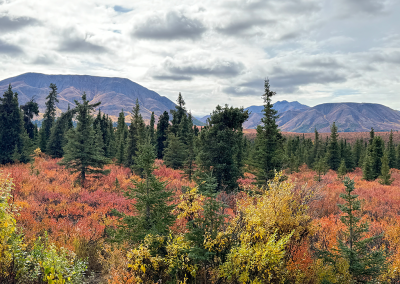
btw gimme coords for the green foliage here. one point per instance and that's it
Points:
(152, 202)
(391, 151)
(321, 167)
(84, 151)
(342, 171)
(377, 149)
(48, 117)
(58, 139)
(365, 263)
(334, 158)
(268, 150)
(30, 109)
(368, 171)
(161, 134)
(11, 127)
(136, 136)
(386, 177)
(175, 153)
(220, 146)
(121, 135)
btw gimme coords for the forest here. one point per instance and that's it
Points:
(82, 201)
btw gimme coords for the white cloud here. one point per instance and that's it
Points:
(214, 53)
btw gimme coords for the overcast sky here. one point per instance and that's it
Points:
(214, 52)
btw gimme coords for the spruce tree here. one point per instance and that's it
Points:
(391, 151)
(219, 146)
(161, 134)
(153, 209)
(48, 117)
(151, 130)
(268, 151)
(368, 170)
(58, 139)
(30, 109)
(366, 263)
(83, 152)
(136, 136)
(121, 135)
(342, 169)
(178, 114)
(321, 167)
(371, 136)
(333, 149)
(386, 177)
(11, 127)
(175, 153)
(190, 150)
(377, 149)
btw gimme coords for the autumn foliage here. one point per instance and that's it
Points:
(288, 223)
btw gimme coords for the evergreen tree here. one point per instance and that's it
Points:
(386, 177)
(368, 170)
(357, 152)
(219, 144)
(83, 153)
(121, 135)
(365, 262)
(333, 149)
(268, 150)
(377, 150)
(398, 157)
(48, 117)
(177, 115)
(207, 225)
(136, 136)
(153, 214)
(175, 153)
(371, 136)
(342, 171)
(190, 150)
(161, 135)
(321, 167)
(151, 131)
(30, 109)
(391, 151)
(58, 139)
(11, 127)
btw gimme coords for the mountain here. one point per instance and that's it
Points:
(281, 106)
(115, 94)
(349, 117)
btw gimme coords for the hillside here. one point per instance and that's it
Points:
(115, 94)
(349, 117)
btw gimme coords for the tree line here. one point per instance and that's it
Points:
(219, 148)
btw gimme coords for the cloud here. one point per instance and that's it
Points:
(240, 91)
(74, 41)
(169, 27)
(9, 24)
(121, 9)
(202, 67)
(9, 49)
(43, 59)
(172, 77)
(323, 62)
(237, 27)
(351, 7)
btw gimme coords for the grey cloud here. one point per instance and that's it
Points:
(8, 24)
(121, 9)
(351, 7)
(289, 81)
(172, 26)
(240, 91)
(219, 68)
(43, 60)
(74, 43)
(9, 49)
(172, 78)
(241, 26)
(327, 63)
(386, 57)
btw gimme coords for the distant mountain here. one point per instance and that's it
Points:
(115, 94)
(349, 117)
(281, 106)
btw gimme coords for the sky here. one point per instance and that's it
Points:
(214, 52)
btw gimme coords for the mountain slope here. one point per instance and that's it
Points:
(115, 94)
(349, 117)
(281, 106)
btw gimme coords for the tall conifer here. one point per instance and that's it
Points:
(48, 117)
(333, 149)
(161, 134)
